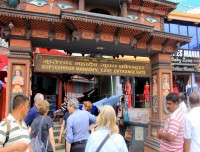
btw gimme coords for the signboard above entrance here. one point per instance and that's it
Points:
(186, 56)
(85, 65)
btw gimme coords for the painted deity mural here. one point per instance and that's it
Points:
(165, 90)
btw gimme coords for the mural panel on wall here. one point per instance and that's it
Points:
(17, 81)
(155, 97)
(165, 91)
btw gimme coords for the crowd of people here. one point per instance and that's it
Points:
(181, 132)
(24, 123)
(86, 132)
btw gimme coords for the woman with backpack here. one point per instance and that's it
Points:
(43, 127)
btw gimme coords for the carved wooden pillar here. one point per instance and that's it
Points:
(124, 8)
(59, 92)
(161, 85)
(81, 5)
(19, 70)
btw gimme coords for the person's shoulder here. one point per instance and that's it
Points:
(3, 123)
(32, 110)
(118, 136)
(193, 113)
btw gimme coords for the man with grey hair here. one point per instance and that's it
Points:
(182, 104)
(77, 127)
(192, 125)
(33, 112)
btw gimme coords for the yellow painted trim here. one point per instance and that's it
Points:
(195, 18)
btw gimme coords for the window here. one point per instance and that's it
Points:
(193, 33)
(198, 35)
(184, 31)
(174, 28)
(166, 27)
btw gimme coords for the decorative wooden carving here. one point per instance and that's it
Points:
(97, 33)
(116, 37)
(5, 32)
(51, 32)
(116, 40)
(68, 38)
(28, 32)
(164, 45)
(88, 35)
(76, 35)
(149, 43)
(133, 43)
(140, 36)
(135, 39)
(71, 25)
(107, 37)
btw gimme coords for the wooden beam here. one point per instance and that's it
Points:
(116, 38)
(97, 32)
(71, 25)
(140, 36)
(136, 38)
(164, 45)
(149, 43)
(28, 32)
(52, 31)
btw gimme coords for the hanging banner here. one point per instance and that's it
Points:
(85, 65)
(186, 56)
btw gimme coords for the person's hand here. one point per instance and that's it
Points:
(21, 146)
(160, 131)
(60, 140)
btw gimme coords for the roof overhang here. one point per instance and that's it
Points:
(182, 16)
(82, 32)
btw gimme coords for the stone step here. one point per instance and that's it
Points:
(59, 146)
(56, 127)
(61, 150)
(56, 139)
(56, 132)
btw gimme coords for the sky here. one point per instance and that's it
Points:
(190, 6)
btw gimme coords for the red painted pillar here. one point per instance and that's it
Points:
(59, 92)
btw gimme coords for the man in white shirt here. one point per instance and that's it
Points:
(182, 103)
(192, 132)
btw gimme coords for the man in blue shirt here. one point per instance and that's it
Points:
(77, 127)
(33, 112)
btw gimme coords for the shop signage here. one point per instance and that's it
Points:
(178, 68)
(186, 56)
(85, 65)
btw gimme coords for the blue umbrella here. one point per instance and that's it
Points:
(112, 100)
(100, 106)
(100, 102)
